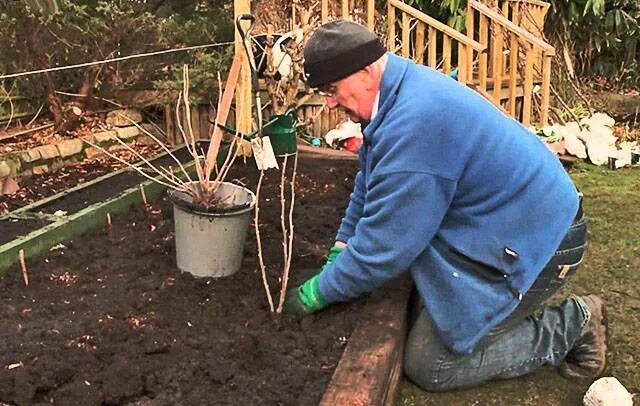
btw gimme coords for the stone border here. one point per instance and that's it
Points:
(45, 158)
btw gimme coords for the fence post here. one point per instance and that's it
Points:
(243, 89)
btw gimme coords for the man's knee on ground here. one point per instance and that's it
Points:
(425, 371)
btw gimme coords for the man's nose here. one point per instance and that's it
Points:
(331, 102)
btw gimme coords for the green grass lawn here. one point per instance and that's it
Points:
(611, 270)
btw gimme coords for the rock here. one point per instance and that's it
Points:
(57, 164)
(607, 392)
(92, 152)
(105, 136)
(8, 186)
(89, 138)
(5, 169)
(48, 151)
(70, 147)
(123, 117)
(30, 155)
(40, 169)
(127, 132)
(9, 166)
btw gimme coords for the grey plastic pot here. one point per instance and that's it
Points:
(210, 242)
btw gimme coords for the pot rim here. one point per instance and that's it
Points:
(178, 200)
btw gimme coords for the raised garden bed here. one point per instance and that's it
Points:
(110, 320)
(40, 186)
(73, 211)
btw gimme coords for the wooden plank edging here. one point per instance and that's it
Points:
(306, 151)
(370, 368)
(41, 240)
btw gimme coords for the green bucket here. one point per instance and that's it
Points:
(281, 131)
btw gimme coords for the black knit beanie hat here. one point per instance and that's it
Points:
(337, 49)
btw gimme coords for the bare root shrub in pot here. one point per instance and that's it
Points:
(210, 241)
(211, 215)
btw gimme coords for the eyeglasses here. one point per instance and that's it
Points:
(328, 90)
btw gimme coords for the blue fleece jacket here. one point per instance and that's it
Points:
(450, 189)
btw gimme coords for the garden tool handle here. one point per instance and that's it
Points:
(251, 20)
(252, 64)
(292, 112)
(244, 34)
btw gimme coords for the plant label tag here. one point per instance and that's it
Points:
(269, 155)
(263, 153)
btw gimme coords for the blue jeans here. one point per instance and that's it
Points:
(522, 343)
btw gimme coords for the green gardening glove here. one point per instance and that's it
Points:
(306, 298)
(333, 254)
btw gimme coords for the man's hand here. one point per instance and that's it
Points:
(333, 254)
(306, 298)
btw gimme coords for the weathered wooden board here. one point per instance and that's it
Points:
(370, 368)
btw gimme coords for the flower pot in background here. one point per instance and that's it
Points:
(210, 242)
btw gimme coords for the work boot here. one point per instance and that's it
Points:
(587, 358)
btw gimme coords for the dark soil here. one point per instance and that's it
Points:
(110, 320)
(12, 228)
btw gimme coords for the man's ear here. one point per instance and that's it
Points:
(368, 77)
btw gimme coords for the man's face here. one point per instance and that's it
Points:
(354, 94)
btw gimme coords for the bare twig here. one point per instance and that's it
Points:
(95, 97)
(11, 112)
(23, 266)
(283, 211)
(263, 269)
(146, 161)
(224, 169)
(224, 105)
(284, 90)
(25, 132)
(187, 114)
(192, 151)
(287, 265)
(567, 108)
(109, 226)
(144, 196)
(140, 171)
(162, 145)
(202, 191)
(35, 116)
